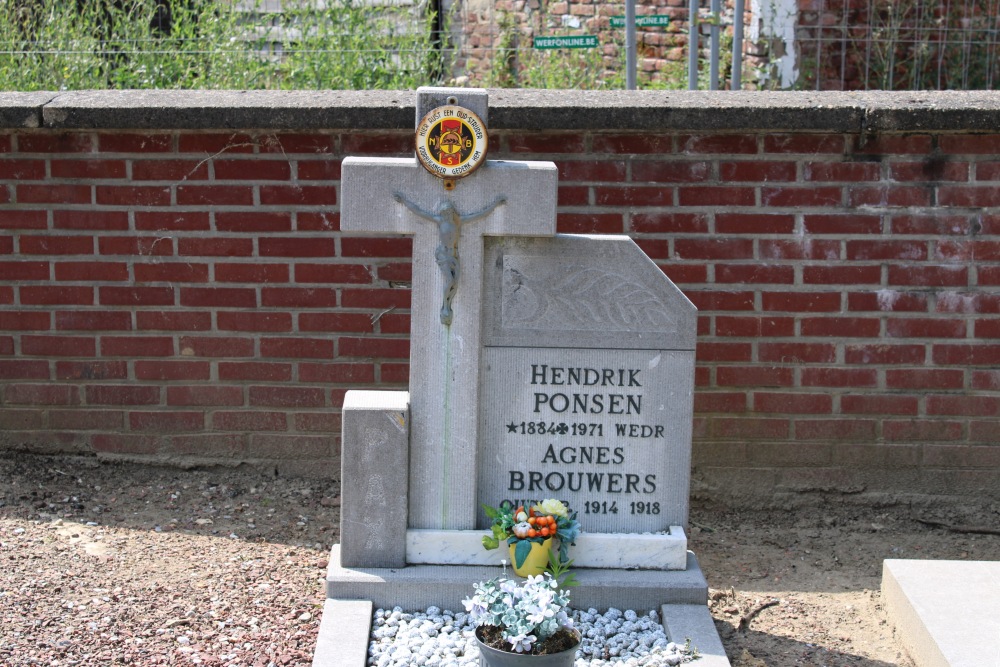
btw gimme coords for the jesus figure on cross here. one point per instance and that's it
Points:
(449, 222)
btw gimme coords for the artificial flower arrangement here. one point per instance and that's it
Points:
(529, 617)
(529, 530)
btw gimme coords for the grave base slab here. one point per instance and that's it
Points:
(947, 612)
(445, 586)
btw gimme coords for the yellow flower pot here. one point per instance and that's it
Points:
(535, 562)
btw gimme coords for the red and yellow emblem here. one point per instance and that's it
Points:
(451, 142)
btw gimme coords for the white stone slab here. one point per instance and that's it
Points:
(374, 478)
(693, 623)
(637, 551)
(344, 632)
(947, 612)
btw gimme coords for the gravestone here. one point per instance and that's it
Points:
(542, 365)
(588, 370)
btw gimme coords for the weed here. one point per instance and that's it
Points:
(58, 45)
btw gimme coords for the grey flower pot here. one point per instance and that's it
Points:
(490, 657)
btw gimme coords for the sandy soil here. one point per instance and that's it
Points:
(822, 567)
(125, 564)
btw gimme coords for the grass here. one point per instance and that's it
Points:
(92, 44)
(310, 45)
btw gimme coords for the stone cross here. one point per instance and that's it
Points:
(399, 196)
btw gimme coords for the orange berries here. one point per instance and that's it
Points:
(536, 524)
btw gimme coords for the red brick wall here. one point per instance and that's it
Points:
(188, 295)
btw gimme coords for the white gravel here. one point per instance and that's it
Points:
(437, 638)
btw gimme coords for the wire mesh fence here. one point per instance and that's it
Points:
(60, 45)
(810, 44)
(899, 44)
(804, 44)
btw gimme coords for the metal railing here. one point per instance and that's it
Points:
(883, 45)
(761, 44)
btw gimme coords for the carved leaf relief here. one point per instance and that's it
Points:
(589, 298)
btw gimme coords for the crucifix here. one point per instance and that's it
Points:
(449, 223)
(448, 214)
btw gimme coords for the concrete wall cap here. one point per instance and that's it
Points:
(20, 110)
(543, 110)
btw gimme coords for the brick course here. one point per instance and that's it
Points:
(189, 294)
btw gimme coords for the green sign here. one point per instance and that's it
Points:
(642, 21)
(574, 42)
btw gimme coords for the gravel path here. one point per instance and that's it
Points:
(124, 564)
(130, 565)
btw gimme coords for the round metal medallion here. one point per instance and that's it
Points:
(451, 142)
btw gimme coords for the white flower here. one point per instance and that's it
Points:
(525, 612)
(508, 586)
(521, 643)
(553, 507)
(538, 614)
(474, 606)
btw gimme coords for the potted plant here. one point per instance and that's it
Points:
(523, 624)
(530, 532)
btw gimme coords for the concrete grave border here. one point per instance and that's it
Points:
(346, 628)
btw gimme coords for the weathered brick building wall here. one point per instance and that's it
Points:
(494, 38)
(865, 45)
(172, 288)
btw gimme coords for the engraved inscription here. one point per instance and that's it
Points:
(588, 427)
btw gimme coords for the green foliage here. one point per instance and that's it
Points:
(54, 45)
(503, 71)
(560, 568)
(521, 549)
(675, 74)
(568, 531)
(503, 522)
(921, 45)
(579, 69)
(212, 44)
(897, 45)
(517, 64)
(674, 77)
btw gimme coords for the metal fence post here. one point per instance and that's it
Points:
(736, 80)
(630, 45)
(713, 58)
(693, 45)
